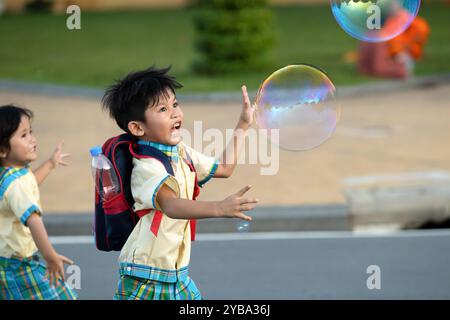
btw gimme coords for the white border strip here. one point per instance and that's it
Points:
(72, 240)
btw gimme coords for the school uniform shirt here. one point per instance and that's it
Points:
(19, 198)
(162, 255)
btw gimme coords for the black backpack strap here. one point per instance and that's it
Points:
(122, 161)
(140, 151)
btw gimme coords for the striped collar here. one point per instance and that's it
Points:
(170, 151)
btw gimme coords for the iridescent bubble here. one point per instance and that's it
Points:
(298, 102)
(374, 20)
(243, 226)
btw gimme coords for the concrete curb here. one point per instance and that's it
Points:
(235, 96)
(265, 219)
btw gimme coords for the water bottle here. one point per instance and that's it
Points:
(105, 177)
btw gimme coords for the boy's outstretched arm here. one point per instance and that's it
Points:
(55, 262)
(56, 159)
(231, 207)
(230, 155)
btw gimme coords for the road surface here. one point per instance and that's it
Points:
(293, 265)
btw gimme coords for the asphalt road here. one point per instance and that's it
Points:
(301, 265)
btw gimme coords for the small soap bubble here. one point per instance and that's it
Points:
(243, 226)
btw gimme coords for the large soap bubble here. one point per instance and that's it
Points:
(299, 102)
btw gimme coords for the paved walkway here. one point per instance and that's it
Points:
(377, 134)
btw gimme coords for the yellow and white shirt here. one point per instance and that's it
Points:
(165, 256)
(19, 198)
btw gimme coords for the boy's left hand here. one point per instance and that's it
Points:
(248, 110)
(58, 157)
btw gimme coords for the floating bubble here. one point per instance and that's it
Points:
(298, 108)
(243, 226)
(374, 20)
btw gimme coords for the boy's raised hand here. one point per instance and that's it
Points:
(248, 110)
(58, 157)
(234, 205)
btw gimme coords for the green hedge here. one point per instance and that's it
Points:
(233, 35)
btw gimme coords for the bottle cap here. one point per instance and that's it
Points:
(95, 151)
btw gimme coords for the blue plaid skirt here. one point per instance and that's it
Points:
(133, 288)
(26, 279)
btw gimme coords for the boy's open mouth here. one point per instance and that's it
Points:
(176, 127)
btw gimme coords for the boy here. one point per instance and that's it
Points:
(154, 261)
(22, 231)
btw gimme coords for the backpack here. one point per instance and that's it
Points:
(115, 219)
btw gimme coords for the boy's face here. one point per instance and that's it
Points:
(23, 146)
(164, 120)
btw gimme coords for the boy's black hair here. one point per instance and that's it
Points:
(10, 117)
(129, 97)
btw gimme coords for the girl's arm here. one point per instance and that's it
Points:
(230, 155)
(232, 207)
(55, 262)
(57, 159)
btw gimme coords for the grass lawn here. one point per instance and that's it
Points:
(39, 47)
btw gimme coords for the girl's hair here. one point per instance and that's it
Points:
(9, 122)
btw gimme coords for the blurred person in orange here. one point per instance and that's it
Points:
(395, 58)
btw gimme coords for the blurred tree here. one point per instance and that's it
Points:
(233, 36)
(39, 5)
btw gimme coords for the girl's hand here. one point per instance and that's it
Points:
(55, 268)
(58, 157)
(248, 111)
(234, 205)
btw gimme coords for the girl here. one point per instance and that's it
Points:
(22, 231)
